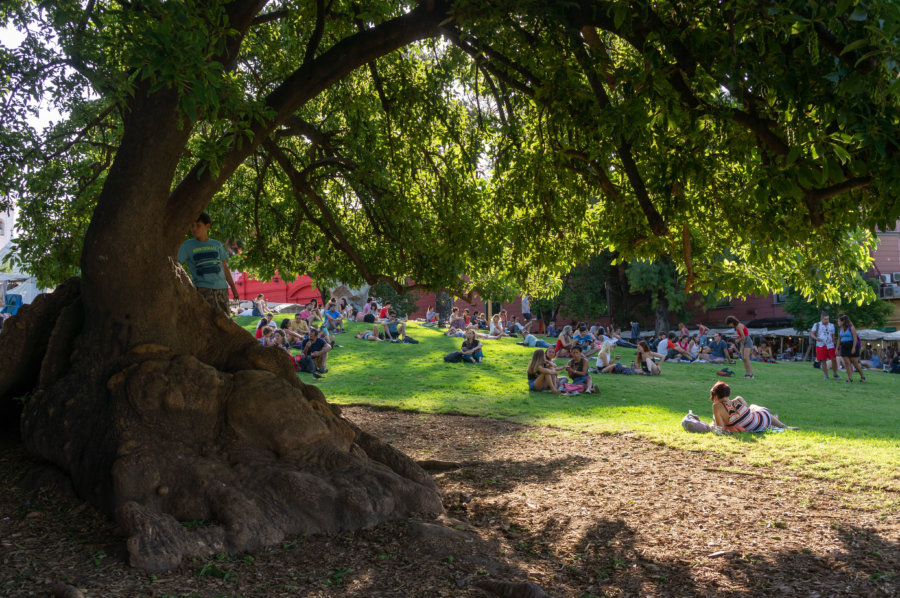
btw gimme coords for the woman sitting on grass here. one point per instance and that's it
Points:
(578, 370)
(645, 359)
(496, 327)
(267, 338)
(604, 357)
(471, 348)
(765, 353)
(542, 373)
(565, 342)
(699, 351)
(734, 415)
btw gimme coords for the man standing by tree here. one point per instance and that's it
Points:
(822, 333)
(207, 263)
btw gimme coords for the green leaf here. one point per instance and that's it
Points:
(860, 13)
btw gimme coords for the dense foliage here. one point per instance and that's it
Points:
(753, 144)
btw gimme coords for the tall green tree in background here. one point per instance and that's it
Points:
(462, 145)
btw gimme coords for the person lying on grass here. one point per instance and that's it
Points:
(734, 415)
(369, 335)
(454, 331)
(471, 348)
(531, 340)
(542, 373)
(578, 369)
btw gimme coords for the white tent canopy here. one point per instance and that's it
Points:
(783, 332)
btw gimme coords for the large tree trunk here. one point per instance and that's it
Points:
(443, 307)
(662, 323)
(225, 433)
(163, 410)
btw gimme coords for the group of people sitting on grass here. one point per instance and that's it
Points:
(544, 375)
(311, 331)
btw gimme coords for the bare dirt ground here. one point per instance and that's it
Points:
(578, 515)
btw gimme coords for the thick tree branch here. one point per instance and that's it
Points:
(760, 127)
(308, 81)
(270, 16)
(332, 229)
(316, 38)
(654, 219)
(481, 59)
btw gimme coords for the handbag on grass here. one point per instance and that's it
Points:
(692, 423)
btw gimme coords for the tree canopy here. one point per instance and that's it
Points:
(476, 144)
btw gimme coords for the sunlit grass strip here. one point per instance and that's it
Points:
(849, 432)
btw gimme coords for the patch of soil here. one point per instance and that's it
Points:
(579, 515)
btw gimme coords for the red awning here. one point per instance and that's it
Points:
(302, 290)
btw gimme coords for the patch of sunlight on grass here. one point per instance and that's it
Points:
(849, 433)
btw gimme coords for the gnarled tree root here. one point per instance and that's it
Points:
(220, 432)
(250, 456)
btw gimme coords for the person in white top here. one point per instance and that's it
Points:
(823, 334)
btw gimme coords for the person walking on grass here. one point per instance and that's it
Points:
(744, 344)
(850, 346)
(823, 334)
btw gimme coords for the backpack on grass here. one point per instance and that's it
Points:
(454, 357)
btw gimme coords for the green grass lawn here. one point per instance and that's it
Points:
(848, 432)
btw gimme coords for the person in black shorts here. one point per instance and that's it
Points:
(850, 346)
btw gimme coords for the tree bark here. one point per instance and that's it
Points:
(443, 307)
(662, 324)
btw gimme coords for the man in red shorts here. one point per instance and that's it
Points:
(823, 334)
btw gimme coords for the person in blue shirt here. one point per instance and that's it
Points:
(333, 319)
(584, 339)
(719, 349)
(207, 263)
